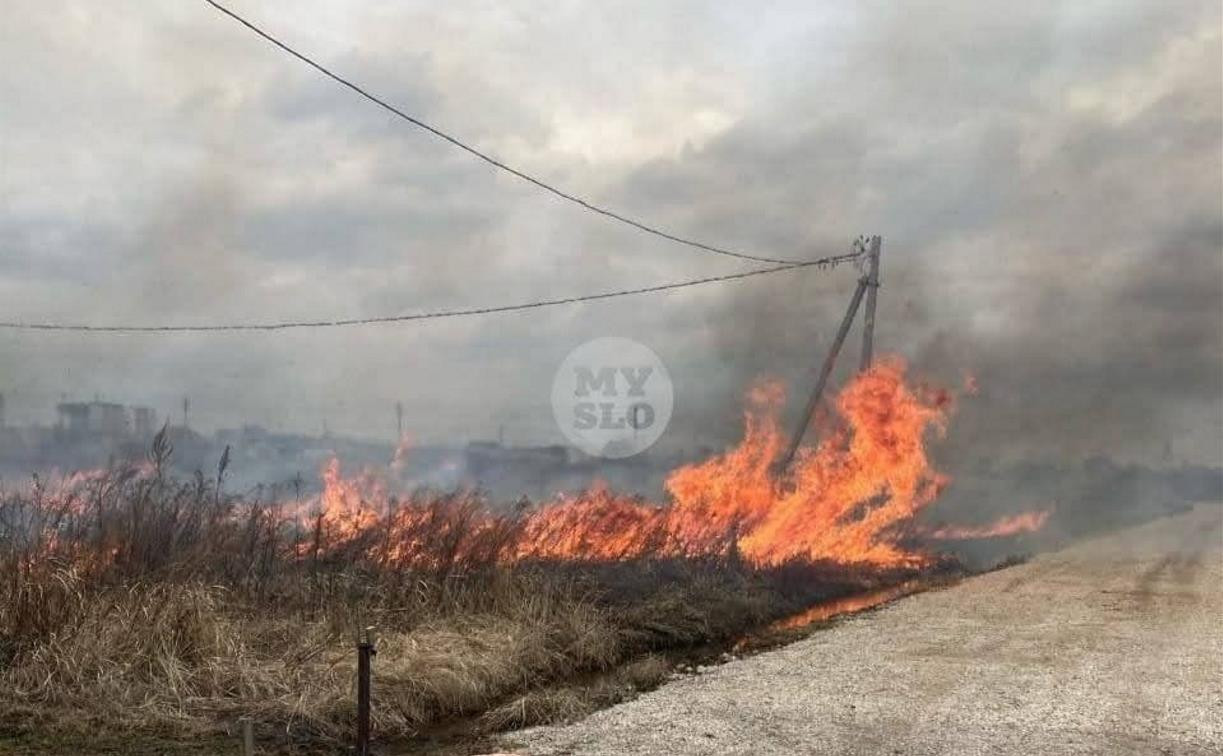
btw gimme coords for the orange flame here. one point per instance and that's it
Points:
(851, 499)
(1026, 522)
(847, 500)
(971, 386)
(826, 610)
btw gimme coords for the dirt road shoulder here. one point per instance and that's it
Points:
(1114, 645)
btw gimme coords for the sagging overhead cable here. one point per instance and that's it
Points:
(435, 315)
(540, 183)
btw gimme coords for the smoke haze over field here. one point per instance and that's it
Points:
(1047, 178)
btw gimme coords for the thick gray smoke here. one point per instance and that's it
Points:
(1046, 177)
(1052, 223)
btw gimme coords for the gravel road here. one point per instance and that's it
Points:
(1112, 646)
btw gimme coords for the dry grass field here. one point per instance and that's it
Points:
(140, 612)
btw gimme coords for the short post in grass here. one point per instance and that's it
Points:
(365, 652)
(248, 736)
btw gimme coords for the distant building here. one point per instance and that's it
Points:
(144, 421)
(100, 418)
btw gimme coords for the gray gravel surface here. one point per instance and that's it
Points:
(1112, 646)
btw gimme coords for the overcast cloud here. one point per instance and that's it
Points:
(1047, 176)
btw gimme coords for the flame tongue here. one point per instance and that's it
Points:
(1025, 522)
(869, 475)
(851, 500)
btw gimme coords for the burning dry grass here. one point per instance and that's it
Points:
(132, 602)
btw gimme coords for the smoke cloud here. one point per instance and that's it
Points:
(1046, 178)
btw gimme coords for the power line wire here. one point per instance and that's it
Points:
(826, 262)
(488, 158)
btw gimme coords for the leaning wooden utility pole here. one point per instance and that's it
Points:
(868, 284)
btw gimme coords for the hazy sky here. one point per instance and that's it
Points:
(1047, 176)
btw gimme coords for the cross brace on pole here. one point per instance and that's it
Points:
(872, 292)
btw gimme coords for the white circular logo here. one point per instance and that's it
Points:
(612, 397)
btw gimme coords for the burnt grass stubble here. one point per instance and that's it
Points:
(138, 607)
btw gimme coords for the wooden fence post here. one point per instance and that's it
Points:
(365, 652)
(248, 736)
